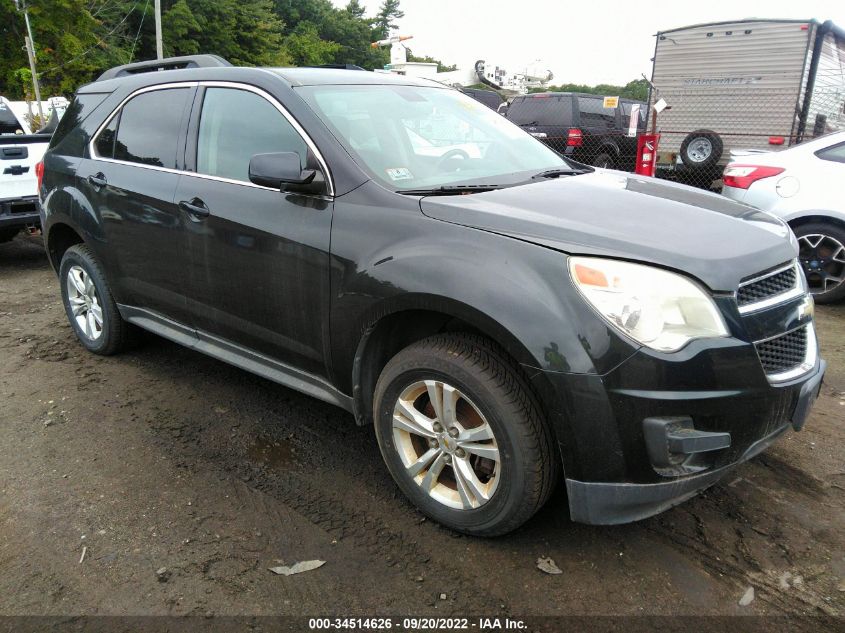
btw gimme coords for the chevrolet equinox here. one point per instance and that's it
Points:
(503, 317)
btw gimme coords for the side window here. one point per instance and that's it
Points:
(9, 123)
(105, 139)
(237, 124)
(594, 114)
(148, 131)
(835, 153)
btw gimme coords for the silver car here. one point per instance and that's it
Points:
(805, 186)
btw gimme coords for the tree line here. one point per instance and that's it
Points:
(77, 39)
(636, 89)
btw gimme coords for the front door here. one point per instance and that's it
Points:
(259, 273)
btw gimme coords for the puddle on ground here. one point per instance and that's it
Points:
(273, 453)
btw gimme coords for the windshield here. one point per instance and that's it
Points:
(412, 137)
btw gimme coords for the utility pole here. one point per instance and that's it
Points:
(30, 52)
(159, 47)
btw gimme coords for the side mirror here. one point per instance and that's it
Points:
(278, 169)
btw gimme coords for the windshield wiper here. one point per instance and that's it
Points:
(555, 173)
(449, 190)
(527, 124)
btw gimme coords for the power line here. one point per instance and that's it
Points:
(138, 34)
(91, 48)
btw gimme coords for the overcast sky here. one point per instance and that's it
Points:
(588, 41)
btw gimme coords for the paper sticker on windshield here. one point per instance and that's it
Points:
(399, 173)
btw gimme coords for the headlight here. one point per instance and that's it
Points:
(655, 307)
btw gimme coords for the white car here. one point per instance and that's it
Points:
(805, 186)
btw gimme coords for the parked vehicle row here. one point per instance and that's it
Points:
(505, 318)
(581, 127)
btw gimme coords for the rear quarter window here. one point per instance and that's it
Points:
(80, 107)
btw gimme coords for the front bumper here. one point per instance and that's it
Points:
(605, 503)
(710, 390)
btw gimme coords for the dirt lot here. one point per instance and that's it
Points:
(163, 457)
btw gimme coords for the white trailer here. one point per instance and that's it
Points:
(749, 84)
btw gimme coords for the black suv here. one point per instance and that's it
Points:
(398, 249)
(580, 127)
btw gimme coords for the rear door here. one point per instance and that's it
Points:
(130, 180)
(259, 257)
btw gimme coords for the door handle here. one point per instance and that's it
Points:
(195, 207)
(98, 180)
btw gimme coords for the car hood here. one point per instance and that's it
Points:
(620, 215)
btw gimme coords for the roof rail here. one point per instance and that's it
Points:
(338, 66)
(168, 63)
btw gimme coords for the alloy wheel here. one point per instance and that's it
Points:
(823, 260)
(446, 445)
(84, 302)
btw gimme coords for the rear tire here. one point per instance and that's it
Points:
(605, 161)
(509, 467)
(89, 304)
(822, 255)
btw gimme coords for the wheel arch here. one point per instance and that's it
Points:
(610, 148)
(59, 237)
(817, 216)
(396, 326)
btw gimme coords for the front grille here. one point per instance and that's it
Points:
(767, 287)
(784, 352)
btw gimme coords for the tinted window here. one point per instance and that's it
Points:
(594, 114)
(553, 110)
(626, 111)
(105, 140)
(234, 126)
(149, 127)
(835, 153)
(8, 121)
(79, 108)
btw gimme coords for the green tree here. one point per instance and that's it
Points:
(355, 10)
(307, 49)
(427, 59)
(70, 47)
(386, 17)
(636, 89)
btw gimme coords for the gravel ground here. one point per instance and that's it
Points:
(115, 468)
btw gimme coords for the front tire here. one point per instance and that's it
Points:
(822, 255)
(462, 436)
(89, 304)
